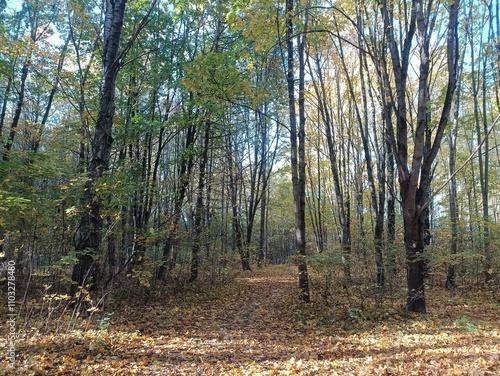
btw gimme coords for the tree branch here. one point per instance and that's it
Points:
(435, 193)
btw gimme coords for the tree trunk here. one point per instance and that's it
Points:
(53, 91)
(262, 258)
(234, 184)
(451, 274)
(342, 200)
(391, 213)
(4, 104)
(481, 124)
(377, 200)
(414, 246)
(19, 107)
(88, 249)
(415, 177)
(314, 202)
(174, 221)
(200, 208)
(297, 151)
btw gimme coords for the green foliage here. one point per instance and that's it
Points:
(15, 203)
(326, 260)
(354, 317)
(465, 324)
(105, 321)
(69, 259)
(215, 78)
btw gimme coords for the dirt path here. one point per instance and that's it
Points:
(231, 333)
(258, 302)
(253, 306)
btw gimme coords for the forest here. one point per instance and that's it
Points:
(250, 187)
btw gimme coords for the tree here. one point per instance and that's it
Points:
(342, 197)
(200, 209)
(39, 18)
(414, 169)
(452, 139)
(297, 141)
(89, 238)
(480, 95)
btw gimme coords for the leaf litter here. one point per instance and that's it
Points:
(254, 326)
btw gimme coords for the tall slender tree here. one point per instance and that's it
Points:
(415, 168)
(297, 140)
(89, 237)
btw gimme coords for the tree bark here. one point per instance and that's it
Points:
(19, 107)
(200, 208)
(341, 198)
(185, 169)
(481, 124)
(87, 269)
(297, 150)
(234, 188)
(450, 275)
(415, 177)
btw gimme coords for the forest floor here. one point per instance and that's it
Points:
(254, 326)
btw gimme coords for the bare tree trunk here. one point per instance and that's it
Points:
(314, 203)
(234, 188)
(297, 150)
(53, 91)
(267, 158)
(377, 198)
(181, 189)
(454, 217)
(450, 275)
(415, 177)
(4, 104)
(87, 269)
(481, 123)
(262, 258)
(19, 107)
(391, 210)
(341, 198)
(199, 215)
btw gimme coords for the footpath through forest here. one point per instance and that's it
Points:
(254, 326)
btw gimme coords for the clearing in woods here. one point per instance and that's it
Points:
(254, 326)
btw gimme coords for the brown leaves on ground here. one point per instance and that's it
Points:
(255, 327)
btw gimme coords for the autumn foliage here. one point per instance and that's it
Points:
(178, 178)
